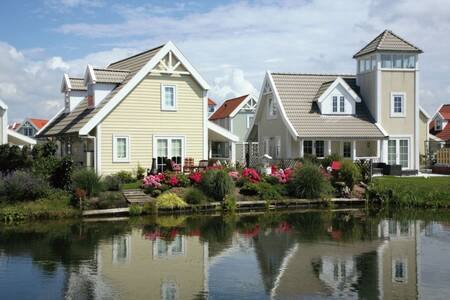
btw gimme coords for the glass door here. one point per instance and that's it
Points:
(392, 152)
(404, 153)
(176, 150)
(398, 152)
(162, 154)
(168, 148)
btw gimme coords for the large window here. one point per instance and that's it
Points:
(320, 148)
(168, 148)
(347, 149)
(168, 97)
(397, 104)
(163, 248)
(220, 150)
(398, 61)
(307, 147)
(121, 148)
(398, 152)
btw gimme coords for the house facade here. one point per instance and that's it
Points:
(211, 106)
(373, 114)
(439, 126)
(29, 127)
(235, 115)
(150, 105)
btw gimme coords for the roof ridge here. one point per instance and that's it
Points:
(135, 55)
(313, 74)
(236, 98)
(112, 70)
(403, 40)
(383, 36)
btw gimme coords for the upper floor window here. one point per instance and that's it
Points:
(168, 97)
(28, 130)
(397, 105)
(335, 104)
(398, 61)
(438, 124)
(250, 120)
(340, 104)
(367, 64)
(272, 109)
(121, 149)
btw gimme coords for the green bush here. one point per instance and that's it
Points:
(349, 173)
(169, 200)
(45, 166)
(61, 175)
(327, 160)
(112, 183)
(195, 196)
(183, 180)
(135, 210)
(216, 184)
(267, 191)
(140, 172)
(87, 180)
(44, 150)
(230, 203)
(110, 200)
(309, 182)
(126, 177)
(23, 186)
(149, 208)
(249, 189)
(308, 158)
(271, 179)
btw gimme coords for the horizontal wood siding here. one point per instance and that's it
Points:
(140, 117)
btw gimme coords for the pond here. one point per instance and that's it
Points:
(307, 254)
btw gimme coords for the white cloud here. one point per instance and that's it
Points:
(232, 84)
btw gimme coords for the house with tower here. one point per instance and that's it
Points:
(373, 114)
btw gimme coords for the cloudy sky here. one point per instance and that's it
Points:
(231, 43)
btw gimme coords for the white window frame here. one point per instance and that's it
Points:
(170, 253)
(404, 262)
(164, 107)
(397, 149)
(277, 141)
(333, 98)
(396, 114)
(249, 116)
(341, 104)
(271, 102)
(128, 145)
(115, 249)
(169, 145)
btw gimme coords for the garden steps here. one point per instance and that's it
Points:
(136, 196)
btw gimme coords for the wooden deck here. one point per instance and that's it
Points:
(136, 196)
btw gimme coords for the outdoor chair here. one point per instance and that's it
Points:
(188, 165)
(202, 165)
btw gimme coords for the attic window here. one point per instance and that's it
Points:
(168, 97)
(438, 125)
(271, 109)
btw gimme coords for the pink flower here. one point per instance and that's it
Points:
(251, 174)
(234, 175)
(173, 181)
(195, 177)
(153, 181)
(284, 176)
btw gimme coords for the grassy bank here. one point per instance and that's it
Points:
(55, 206)
(424, 192)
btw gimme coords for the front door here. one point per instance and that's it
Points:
(398, 152)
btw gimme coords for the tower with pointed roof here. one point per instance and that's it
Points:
(388, 77)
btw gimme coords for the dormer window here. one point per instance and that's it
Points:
(438, 125)
(341, 104)
(338, 98)
(335, 105)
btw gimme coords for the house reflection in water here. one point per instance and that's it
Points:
(140, 268)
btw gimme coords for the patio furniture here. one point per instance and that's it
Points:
(202, 165)
(173, 166)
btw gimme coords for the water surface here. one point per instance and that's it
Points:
(297, 255)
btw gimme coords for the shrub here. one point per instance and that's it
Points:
(327, 160)
(249, 189)
(195, 196)
(251, 174)
(44, 150)
(267, 191)
(13, 158)
(169, 200)
(112, 183)
(271, 179)
(230, 203)
(135, 210)
(140, 172)
(216, 184)
(45, 166)
(88, 180)
(349, 173)
(183, 180)
(283, 176)
(153, 181)
(23, 186)
(126, 177)
(309, 182)
(234, 175)
(309, 158)
(61, 175)
(195, 177)
(110, 200)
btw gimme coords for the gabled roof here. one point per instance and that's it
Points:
(227, 108)
(77, 84)
(14, 126)
(387, 41)
(83, 119)
(444, 111)
(327, 87)
(211, 102)
(297, 94)
(3, 105)
(110, 75)
(38, 123)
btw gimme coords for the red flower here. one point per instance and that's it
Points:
(152, 235)
(195, 177)
(173, 181)
(251, 174)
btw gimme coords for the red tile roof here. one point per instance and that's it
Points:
(39, 123)
(227, 108)
(14, 126)
(443, 134)
(445, 111)
(211, 102)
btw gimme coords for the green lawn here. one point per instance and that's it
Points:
(131, 186)
(411, 191)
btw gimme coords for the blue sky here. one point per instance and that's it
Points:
(231, 43)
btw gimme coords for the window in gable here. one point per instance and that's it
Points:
(341, 104)
(397, 105)
(335, 104)
(168, 97)
(438, 125)
(272, 108)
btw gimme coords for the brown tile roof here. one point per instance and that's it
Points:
(298, 93)
(227, 108)
(211, 102)
(387, 41)
(72, 122)
(110, 75)
(77, 84)
(39, 123)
